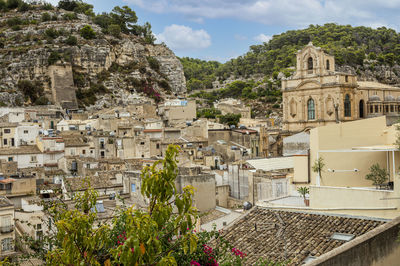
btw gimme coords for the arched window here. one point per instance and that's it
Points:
(310, 63)
(347, 106)
(311, 109)
(327, 64)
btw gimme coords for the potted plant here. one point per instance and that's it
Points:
(303, 191)
(377, 175)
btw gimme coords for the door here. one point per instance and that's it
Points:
(361, 108)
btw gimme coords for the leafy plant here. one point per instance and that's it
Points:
(377, 175)
(303, 191)
(46, 17)
(87, 32)
(230, 119)
(319, 166)
(53, 57)
(71, 40)
(153, 63)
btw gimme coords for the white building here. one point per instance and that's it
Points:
(26, 134)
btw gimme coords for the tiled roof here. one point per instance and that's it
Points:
(82, 183)
(75, 142)
(20, 150)
(264, 233)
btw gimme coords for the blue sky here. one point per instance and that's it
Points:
(224, 29)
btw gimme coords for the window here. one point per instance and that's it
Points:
(6, 244)
(10, 159)
(5, 221)
(5, 141)
(311, 109)
(26, 131)
(310, 63)
(342, 236)
(39, 232)
(327, 64)
(157, 145)
(141, 143)
(102, 154)
(347, 106)
(7, 130)
(33, 159)
(83, 151)
(346, 78)
(133, 187)
(88, 166)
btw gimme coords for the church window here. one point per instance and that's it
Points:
(311, 109)
(310, 63)
(347, 106)
(376, 109)
(346, 78)
(327, 64)
(371, 109)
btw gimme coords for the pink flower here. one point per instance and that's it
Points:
(132, 250)
(195, 263)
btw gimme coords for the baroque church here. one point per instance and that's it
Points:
(317, 95)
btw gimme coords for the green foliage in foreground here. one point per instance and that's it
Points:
(162, 234)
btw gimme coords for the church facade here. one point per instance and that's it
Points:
(317, 95)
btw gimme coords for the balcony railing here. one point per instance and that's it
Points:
(7, 228)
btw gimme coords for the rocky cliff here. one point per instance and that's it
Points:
(106, 70)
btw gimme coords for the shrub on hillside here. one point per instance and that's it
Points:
(87, 32)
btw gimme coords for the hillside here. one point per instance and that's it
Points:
(372, 54)
(69, 55)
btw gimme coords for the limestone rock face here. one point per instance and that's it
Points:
(127, 62)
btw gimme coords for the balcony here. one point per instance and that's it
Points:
(7, 228)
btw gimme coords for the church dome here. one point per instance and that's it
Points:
(389, 98)
(374, 98)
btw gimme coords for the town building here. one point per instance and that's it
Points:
(316, 94)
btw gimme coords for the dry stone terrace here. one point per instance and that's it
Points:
(292, 236)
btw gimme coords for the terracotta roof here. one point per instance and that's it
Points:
(263, 233)
(7, 181)
(152, 130)
(20, 150)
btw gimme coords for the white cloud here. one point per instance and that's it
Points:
(183, 38)
(283, 12)
(262, 38)
(240, 37)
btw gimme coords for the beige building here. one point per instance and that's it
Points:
(317, 95)
(348, 151)
(177, 111)
(7, 236)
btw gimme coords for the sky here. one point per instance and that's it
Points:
(224, 29)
